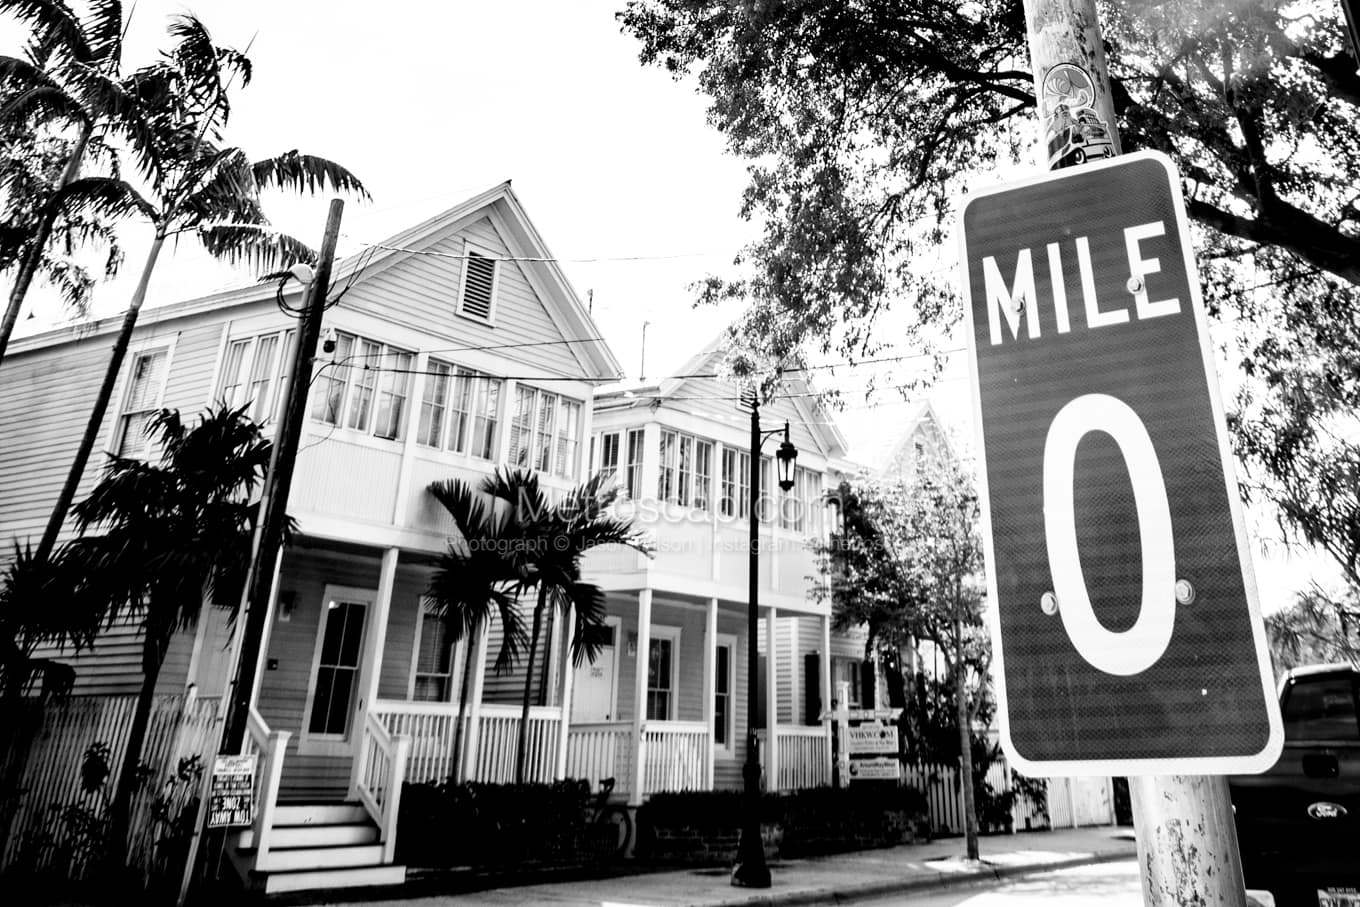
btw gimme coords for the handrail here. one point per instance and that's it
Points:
(675, 727)
(270, 747)
(379, 771)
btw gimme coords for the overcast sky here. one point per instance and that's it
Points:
(431, 102)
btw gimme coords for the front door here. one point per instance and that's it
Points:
(593, 687)
(337, 667)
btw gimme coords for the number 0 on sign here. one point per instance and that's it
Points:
(1126, 632)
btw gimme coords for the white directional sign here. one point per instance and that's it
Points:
(1126, 631)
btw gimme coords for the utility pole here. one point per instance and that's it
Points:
(1187, 843)
(260, 578)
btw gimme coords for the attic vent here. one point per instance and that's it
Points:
(479, 279)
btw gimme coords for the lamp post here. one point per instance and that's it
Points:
(751, 871)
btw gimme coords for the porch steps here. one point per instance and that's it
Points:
(316, 846)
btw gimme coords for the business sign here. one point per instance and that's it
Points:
(873, 714)
(1126, 630)
(875, 770)
(231, 791)
(871, 739)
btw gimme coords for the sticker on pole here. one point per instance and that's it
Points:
(1126, 631)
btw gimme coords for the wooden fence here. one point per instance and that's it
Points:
(56, 820)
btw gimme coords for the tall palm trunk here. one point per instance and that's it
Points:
(101, 404)
(28, 268)
(154, 647)
(522, 752)
(464, 691)
(970, 823)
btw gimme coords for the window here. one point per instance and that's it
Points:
(848, 670)
(478, 294)
(470, 403)
(146, 384)
(703, 475)
(609, 453)
(255, 374)
(1321, 708)
(685, 470)
(545, 432)
(662, 662)
(364, 387)
(434, 658)
(798, 507)
(736, 483)
(633, 478)
(337, 667)
(722, 694)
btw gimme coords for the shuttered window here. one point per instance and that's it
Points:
(145, 386)
(479, 284)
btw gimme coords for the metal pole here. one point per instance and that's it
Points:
(275, 503)
(1187, 843)
(751, 871)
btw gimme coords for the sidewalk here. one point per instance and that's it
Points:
(822, 880)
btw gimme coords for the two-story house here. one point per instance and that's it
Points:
(666, 707)
(455, 346)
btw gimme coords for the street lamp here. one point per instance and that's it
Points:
(751, 871)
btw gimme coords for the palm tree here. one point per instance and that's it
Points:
(474, 582)
(202, 189)
(68, 77)
(157, 538)
(553, 538)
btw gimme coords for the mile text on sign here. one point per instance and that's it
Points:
(1126, 631)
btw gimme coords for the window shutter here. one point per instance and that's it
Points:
(812, 688)
(478, 280)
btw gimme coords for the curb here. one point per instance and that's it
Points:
(935, 881)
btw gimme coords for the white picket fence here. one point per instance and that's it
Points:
(54, 816)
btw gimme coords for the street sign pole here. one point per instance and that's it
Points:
(1187, 843)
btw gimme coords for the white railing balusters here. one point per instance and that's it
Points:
(379, 772)
(270, 747)
(676, 754)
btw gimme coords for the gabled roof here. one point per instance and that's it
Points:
(507, 213)
(706, 362)
(924, 413)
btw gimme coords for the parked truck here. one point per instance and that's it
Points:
(1298, 824)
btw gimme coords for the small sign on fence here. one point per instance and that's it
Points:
(875, 770)
(231, 795)
(871, 738)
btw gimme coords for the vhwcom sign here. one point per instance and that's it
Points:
(1127, 635)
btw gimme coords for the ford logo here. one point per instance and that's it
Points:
(1325, 810)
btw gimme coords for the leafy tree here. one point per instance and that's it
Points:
(473, 582)
(156, 538)
(906, 563)
(550, 541)
(1316, 628)
(60, 104)
(862, 121)
(201, 188)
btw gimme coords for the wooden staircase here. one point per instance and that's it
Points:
(313, 846)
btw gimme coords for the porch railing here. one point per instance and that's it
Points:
(498, 742)
(804, 757)
(378, 773)
(601, 750)
(431, 727)
(269, 747)
(676, 754)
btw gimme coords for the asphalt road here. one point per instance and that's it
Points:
(1106, 884)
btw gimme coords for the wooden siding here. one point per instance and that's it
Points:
(508, 688)
(421, 291)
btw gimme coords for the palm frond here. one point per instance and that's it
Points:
(101, 196)
(42, 104)
(195, 56)
(590, 631)
(257, 247)
(307, 173)
(53, 23)
(103, 28)
(468, 508)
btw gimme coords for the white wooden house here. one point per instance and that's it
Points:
(458, 345)
(665, 708)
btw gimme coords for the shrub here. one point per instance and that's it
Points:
(477, 824)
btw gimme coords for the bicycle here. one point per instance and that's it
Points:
(611, 823)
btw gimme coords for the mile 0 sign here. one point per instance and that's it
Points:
(1126, 633)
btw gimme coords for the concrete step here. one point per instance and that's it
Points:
(297, 858)
(319, 813)
(284, 836)
(353, 877)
